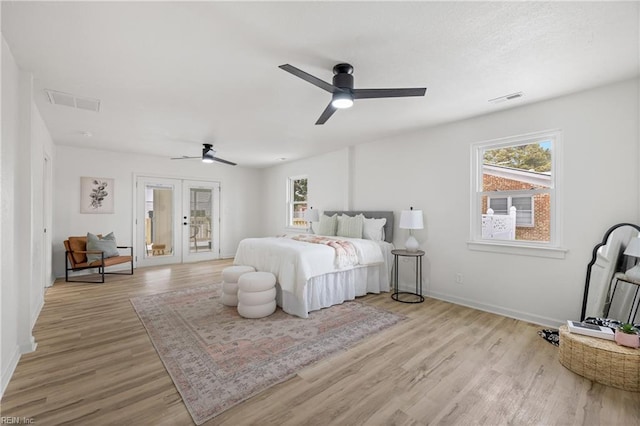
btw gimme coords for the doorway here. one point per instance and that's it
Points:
(178, 221)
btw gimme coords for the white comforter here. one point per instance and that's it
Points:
(295, 262)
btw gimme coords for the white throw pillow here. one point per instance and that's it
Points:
(350, 227)
(315, 227)
(373, 229)
(328, 225)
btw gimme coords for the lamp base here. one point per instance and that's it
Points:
(411, 244)
(634, 273)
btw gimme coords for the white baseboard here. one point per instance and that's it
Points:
(7, 371)
(29, 346)
(519, 315)
(36, 312)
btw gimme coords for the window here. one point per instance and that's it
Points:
(296, 201)
(518, 173)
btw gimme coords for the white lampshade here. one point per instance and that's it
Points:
(411, 219)
(633, 249)
(311, 215)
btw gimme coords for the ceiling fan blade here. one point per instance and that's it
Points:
(388, 93)
(184, 157)
(328, 112)
(220, 160)
(309, 78)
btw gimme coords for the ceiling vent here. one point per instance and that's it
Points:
(66, 99)
(507, 98)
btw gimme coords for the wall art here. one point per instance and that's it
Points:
(96, 195)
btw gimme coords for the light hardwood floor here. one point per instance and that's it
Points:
(447, 364)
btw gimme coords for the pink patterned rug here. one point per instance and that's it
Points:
(218, 359)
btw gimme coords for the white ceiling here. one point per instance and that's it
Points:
(171, 75)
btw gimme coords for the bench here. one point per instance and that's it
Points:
(76, 259)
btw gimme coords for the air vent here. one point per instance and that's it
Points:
(507, 98)
(66, 99)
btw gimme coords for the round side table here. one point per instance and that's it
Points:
(407, 296)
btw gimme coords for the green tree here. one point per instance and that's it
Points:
(300, 190)
(531, 157)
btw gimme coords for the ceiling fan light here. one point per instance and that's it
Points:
(342, 100)
(207, 156)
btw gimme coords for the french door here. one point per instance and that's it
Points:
(177, 221)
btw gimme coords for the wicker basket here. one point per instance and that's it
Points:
(600, 360)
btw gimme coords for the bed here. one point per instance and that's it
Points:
(309, 275)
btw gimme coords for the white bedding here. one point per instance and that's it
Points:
(307, 274)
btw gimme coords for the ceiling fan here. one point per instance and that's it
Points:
(208, 156)
(342, 89)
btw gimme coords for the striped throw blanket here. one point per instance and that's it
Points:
(345, 251)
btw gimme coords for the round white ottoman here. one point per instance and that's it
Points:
(256, 294)
(230, 276)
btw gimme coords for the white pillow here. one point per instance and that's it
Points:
(350, 227)
(373, 229)
(328, 225)
(315, 227)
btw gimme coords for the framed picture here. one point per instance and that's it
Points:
(96, 195)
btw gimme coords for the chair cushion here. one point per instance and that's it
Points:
(116, 260)
(78, 244)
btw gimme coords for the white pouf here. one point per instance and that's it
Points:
(230, 276)
(256, 294)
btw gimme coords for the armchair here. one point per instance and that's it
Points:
(75, 259)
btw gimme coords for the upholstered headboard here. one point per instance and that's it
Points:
(388, 227)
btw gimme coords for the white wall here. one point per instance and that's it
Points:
(240, 195)
(328, 187)
(10, 351)
(25, 141)
(430, 170)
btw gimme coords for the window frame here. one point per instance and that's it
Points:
(290, 216)
(553, 248)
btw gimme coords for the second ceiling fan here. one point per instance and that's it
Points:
(343, 93)
(208, 156)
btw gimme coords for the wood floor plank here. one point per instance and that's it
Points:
(445, 364)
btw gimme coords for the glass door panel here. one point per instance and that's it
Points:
(158, 221)
(201, 220)
(200, 208)
(158, 227)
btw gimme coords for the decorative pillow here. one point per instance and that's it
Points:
(328, 225)
(373, 229)
(350, 227)
(315, 227)
(107, 244)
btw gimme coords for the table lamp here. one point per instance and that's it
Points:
(311, 215)
(633, 249)
(411, 219)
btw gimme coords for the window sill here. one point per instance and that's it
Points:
(518, 249)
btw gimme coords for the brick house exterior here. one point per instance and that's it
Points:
(504, 178)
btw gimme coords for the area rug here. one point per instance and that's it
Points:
(218, 359)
